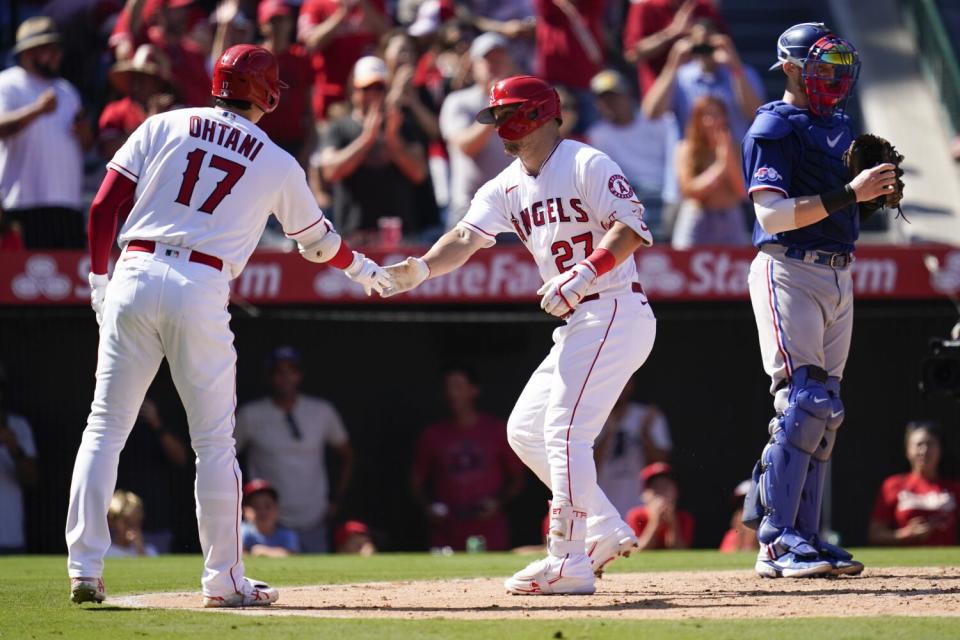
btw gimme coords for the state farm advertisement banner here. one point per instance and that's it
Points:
(497, 275)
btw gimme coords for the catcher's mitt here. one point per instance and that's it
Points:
(867, 151)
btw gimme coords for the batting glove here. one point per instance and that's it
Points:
(406, 275)
(368, 274)
(562, 293)
(98, 293)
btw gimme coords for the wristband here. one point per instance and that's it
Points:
(602, 261)
(343, 257)
(838, 199)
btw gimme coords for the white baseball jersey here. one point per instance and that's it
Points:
(562, 213)
(207, 180)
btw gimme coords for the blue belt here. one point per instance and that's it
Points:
(827, 258)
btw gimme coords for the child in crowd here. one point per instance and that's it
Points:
(261, 531)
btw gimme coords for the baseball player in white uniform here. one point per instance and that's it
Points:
(572, 208)
(198, 186)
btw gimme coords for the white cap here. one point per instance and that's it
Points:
(487, 42)
(369, 70)
(428, 19)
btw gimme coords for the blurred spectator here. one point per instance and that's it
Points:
(353, 536)
(658, 523)
(261, 531)
(125, 519)
(569, 115)
(642, 147)
(706, 63)
(711, 184)
(373, 158)
(183, 35)
(476, 152)
(18, 471)
(145, 83)
(569, 48)
(11, 237)
(150, 464)
(464, 471)
(337, 33)
(919, 507)
(739, 537)
(652, 28)
(43, 134)
(634, 436)
(290, 125)
(283, 438)
(141, 21)
(513, 19)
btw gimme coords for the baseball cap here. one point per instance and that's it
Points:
(609, 81)
(347, 529)
(35, 32)
(485, 43)
(258, 485)
(428, 19)
(369, 70)
(272, 8)
(656, 469)
(283, 353)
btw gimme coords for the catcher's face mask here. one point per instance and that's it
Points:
(829, 73)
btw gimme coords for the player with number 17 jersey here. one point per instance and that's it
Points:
(561, 214)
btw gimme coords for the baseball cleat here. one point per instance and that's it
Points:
(604, 549)
(840, 559)
(87, 590)
(788, 564)
(570, 574)
(254, 594)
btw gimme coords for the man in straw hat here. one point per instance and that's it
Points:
(43, 134)
(145, 82)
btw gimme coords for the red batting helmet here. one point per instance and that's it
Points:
(539, 103)
(250, 73)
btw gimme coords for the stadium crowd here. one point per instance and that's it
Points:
(380, 113)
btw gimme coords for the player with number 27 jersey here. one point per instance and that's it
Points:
(562, 213)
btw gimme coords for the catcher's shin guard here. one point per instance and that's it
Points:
(811, 498)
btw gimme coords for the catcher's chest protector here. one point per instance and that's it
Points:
(820, 165)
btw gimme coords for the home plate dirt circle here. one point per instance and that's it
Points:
(914, 591)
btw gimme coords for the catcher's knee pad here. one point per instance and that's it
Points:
(805, 420)
(834, 420)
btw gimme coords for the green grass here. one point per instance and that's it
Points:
(33, 601)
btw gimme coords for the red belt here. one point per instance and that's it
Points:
(636, 287)
(150, 246)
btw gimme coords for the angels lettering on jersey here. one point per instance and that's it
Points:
(562, 213)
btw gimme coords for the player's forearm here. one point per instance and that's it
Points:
(777, 214)
(621, 241)
(451, 251)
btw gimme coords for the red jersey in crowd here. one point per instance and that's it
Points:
(906, 496)
(561, 59)
(120, 118)
(647, 17)
(461, 468)
(332, 65)
(638, 517)
(287, 124)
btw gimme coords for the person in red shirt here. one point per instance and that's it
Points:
(337, 33)
(185, 42)
(145, 83)
(654, 25)
(290, 125)
(739, 537)
(917, 508)
(657, 522)
(464, 471)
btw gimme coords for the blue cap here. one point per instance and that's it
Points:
(794, 44)
(281, 354)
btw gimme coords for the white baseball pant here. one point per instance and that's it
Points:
(163, 305)
(569, 397)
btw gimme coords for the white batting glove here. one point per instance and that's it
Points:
(367, 274)
(562, 293)
(98, 293)
(406, 275)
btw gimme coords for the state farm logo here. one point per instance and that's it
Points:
(658, 275)
(40, 279)
(946, 279)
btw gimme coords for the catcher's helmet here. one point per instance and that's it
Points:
(829, 65)
(539, 103)
(250, 73)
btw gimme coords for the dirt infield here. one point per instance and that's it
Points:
(920, 591)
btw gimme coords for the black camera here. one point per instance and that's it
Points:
(940, 371)
(703, 49)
